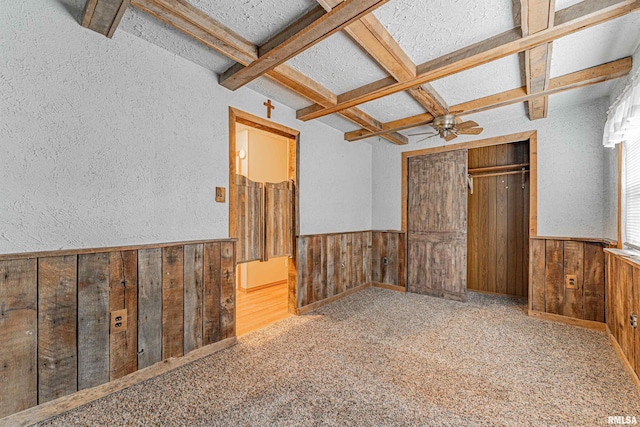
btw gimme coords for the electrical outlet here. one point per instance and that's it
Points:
(118, 321)
(571, 281)
(220, 194)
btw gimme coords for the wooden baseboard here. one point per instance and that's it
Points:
(497, 294)
(623, 359)
(316, 305)
(389, 287)
(56, 407)
(589, 324)
(265, 286)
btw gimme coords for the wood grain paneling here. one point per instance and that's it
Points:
(249, 219)
(18, 335)
(623, 300)
(55, 314)
(437, 224)
(498, 221)
(57, 311)
(123, 295)
(552, 260)
(278, 217)
(193, 294)
(172, 301)
(211, 306)
(149, 307)
(93, 320)
(330, 265)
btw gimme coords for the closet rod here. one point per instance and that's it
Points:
(485, 175)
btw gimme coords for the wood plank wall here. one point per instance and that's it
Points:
(623, 300)
(55, 314)
(498, 231)
(552, 259)
(331, 264)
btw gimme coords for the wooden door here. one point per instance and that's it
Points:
(437, 224)
(278, 217)
(249, 219)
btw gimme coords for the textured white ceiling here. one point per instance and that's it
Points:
(473, 83)
(596, 45)
(338, 64)
(430, 29)
(425, 29)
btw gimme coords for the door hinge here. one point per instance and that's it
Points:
(634, 321)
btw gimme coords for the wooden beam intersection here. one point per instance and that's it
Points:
(574, 18)
(589, 76)
(309, 30)
(200, 26)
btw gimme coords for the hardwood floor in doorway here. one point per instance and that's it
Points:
(257, 309)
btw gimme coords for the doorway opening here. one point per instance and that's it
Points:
(452, 236)
(498, 223)
(263, 177)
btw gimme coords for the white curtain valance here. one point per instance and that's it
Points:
(623, 119)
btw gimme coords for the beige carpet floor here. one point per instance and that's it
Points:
(383, 358)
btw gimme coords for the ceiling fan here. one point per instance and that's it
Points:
(449, 127)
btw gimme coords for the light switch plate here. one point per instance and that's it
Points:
(118, 321)
(220, 194)
(571, 281)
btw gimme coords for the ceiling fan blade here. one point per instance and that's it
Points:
(424, 139)
(472, 131)
(421, 133)
(450, 137)
(466, 125)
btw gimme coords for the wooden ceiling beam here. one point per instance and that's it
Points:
(369, 33)
(104, 16)
(312, 28)
(589, 76)
(567, 21)
(200, 26)
(538, 15)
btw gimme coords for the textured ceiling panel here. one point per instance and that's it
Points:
(154, 31)
(338, 122)
(393, 107)
(430, 29)
(580, 96)
(273, 90)
(488, 79)
(338, 63)
(255, 20)
(596, 45)
(563, 4)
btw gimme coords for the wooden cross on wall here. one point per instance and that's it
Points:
(270, 107)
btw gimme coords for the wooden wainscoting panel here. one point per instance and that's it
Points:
(227, 291)
(554, 277)
(211, 303)
(303, 271)
(623, 308)
(193, 294)
(123, 295)
(573, 265)
(636, 311)
(57, 318)
(93, 320)
(172, 301)
(594, 282)
(18, 335)
(149, 307)
(537, 295)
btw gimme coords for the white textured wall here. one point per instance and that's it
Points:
(570, 170)
(114, 142)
